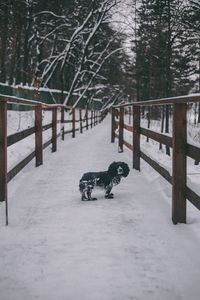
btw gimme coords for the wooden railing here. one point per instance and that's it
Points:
(89, 119)
(178, 142)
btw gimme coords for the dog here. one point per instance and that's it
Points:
(106, 180)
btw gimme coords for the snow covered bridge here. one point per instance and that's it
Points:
(59, 247)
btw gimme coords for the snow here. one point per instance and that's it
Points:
(58, 247)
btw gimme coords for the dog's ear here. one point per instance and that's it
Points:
(112, 169)
(126, 169)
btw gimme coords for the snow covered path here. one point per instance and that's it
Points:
(60, 248)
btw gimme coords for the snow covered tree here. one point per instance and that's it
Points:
(58, 44)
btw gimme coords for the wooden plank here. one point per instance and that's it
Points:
(193, 152)
(47, 126)
(86, 118)
(70, 130)
(155, 165)
(13, 99)
(129, 146)
(128, 127)
(63, 123)
(3, 151)
(67, 121)
(158, 137)
(94, 115)
(179, 163)
(81, 121)
(91, 119)
(54, 129)
(136, 138)
(116, 112)
(38, 136)
(73, 122)
(162, 101)
(193, 197)
(12, 173)
(16, 137)
(121, 131)
(113, 125)
(46, 144)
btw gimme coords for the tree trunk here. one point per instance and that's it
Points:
(4, 38)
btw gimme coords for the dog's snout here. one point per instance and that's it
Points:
(120, 170)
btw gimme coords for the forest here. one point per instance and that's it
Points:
(78, 47)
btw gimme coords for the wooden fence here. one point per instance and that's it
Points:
(178, 142)
(89, 119)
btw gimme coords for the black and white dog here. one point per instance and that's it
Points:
(106, 180)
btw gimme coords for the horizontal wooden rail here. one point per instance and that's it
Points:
(193, 152)
(70, 131)
(128, 127)
(46, 144)
(192, 197)
(16, 137)
(157, 167)
(14, 171)
(178, 142)
(47, 126)
(163, 101)
(158, 137)
(128, 145)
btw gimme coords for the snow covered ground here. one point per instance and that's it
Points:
(126, 248)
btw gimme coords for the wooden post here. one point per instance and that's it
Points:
(54, 129)
(94, 118)
(81, 121)
(97, 117)
(102, 115)
(38, 136)
(113, 125)
(179, 163)
(136, 137)
(91, 118)
(3, 150)
(73, 122)
(86, 116)
(121, 129)
(63, 123)
(3, 155)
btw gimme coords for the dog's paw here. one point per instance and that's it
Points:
(109, 196)
(89, 199)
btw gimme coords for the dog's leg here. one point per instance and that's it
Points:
(89, 194)
(84, 196)
(83, 190)
(86, 191)
(108, 194)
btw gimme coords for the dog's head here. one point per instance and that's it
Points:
(118, 169)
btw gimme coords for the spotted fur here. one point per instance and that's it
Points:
(106, 180)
